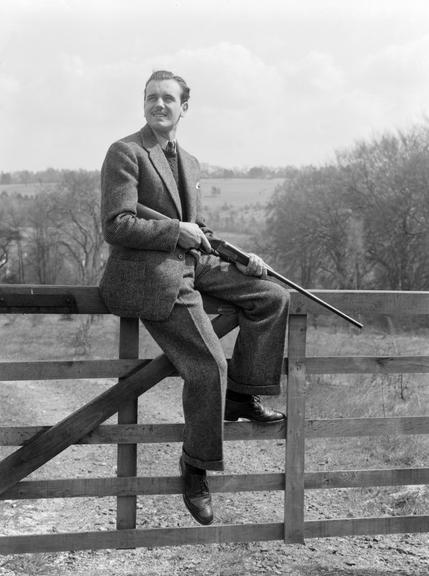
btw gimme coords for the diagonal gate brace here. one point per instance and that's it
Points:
(45, 446)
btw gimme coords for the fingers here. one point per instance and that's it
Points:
(205, 244)
(255, 267)
(191, 236)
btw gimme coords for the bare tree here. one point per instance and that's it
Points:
(44, 260)
(77, 213)
(312, 231)
(388, 186)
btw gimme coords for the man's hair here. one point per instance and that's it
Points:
(166, 75)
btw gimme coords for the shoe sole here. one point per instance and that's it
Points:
(243, 419)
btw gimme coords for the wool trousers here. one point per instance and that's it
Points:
(189, 341)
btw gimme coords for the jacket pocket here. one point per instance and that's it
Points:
(145, 289)
(122, 286)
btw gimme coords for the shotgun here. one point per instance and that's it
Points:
(230, 252)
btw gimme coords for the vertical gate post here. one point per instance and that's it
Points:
(295, 431)
(126, 511)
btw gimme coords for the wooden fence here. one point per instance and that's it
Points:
(38, 444)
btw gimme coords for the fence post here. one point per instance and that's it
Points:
(295, 431)
(126, 511)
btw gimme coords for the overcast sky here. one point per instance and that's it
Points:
(273, 82)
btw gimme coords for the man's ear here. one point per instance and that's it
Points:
(185, 107)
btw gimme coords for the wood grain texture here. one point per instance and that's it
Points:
(126, 506)
(118, 368)
(87, 299)
(152, 485)
(69, 369)
(153, 433)
(138, 538)
(145, 433)
(362, 478)
(132, 486)
(367, 365)
(152, 537)
(359, 526)
(357, 427)
(295, 433)
(364, 303)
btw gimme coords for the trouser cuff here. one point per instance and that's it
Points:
(203, 464)
(265, 390)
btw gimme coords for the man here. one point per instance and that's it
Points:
(157, 270)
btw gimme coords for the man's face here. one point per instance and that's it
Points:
(163, 107)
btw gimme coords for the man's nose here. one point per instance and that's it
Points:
(159, 102)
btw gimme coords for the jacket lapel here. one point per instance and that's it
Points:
(161, 165)
(187, 166)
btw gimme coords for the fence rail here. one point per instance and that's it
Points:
(141, 374)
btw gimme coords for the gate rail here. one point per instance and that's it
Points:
(128, 433)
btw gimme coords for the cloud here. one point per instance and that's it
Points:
(390, 87)
(287, 84)
(9, 86)
(225, 75)
(398, 69)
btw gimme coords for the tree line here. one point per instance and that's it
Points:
(51, 175)
(359, 222)
(54, 236)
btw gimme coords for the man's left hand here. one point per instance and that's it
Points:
(255, 267)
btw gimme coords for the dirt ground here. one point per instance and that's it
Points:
(47, 402)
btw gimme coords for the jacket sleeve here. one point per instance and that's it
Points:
(119, 197)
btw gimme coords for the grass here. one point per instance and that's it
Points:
(238, 191)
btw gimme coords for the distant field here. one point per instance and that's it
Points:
(238, 190)
(30, 189)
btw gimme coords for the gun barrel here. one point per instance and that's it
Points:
(233, 253)
(314, 298)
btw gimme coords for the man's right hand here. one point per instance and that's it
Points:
(191, 236)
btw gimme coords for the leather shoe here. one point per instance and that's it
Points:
(251, 409)
(196, 494)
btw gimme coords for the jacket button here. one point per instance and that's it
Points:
(180, 256)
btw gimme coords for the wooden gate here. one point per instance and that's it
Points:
(37, 445)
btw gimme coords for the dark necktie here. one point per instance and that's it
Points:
(171, 155)
(170, 152)
(170, 149)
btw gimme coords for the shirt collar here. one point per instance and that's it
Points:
(163, 141)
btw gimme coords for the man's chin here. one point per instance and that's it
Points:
(160, 126)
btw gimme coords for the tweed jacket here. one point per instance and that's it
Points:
(145, 265)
